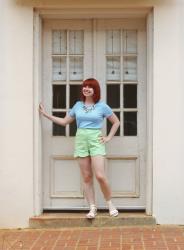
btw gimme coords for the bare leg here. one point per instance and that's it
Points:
(98, 164)
(87, 175)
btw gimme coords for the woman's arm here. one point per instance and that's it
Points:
(61, 121)
(115, 125)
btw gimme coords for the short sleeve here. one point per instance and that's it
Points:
(107, 111)
(73, 110)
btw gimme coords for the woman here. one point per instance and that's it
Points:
(89, 142)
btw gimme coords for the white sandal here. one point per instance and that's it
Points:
(92, 213)
(113, 212)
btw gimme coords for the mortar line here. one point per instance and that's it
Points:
(99, 239)
(56, 240)
(37, 240)
(164, 240)
(76, 246)
(142, 240)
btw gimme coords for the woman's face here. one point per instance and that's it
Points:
(87, 91)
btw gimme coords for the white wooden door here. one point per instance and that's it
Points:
(113, 51)
(67, 60)
(121, 51)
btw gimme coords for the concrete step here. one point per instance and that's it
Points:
(78, 219)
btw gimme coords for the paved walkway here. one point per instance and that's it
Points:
(116, 238)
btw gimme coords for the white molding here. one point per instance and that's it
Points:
(93, 13)
(149, 153)
(94, 27)
(37, 74)
(37, 145)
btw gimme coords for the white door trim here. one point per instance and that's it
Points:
(74, 13)
(149, 146)
(37, 76)
(37, 140)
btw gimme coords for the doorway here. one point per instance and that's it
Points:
(114, 52)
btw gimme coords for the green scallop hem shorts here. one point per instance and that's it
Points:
(87, 143)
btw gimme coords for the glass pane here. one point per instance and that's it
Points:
(59, 42)
(76, 68)
(113, 95)
(59, 68)
(73, 128)
(130, 41)
(130, 95)
(130, 123)
(113, 42)
(130, 68)
(59, 96)
(109, 125)
(76, 41)
(113, 68)
(57, 129)
(75, 91)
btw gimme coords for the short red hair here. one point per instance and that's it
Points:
(92, 83)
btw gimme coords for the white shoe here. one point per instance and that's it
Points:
(112, 209)
(113, 212)
(92, 213)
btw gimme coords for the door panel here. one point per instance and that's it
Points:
(114, 51)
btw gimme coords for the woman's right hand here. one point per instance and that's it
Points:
(42, 109)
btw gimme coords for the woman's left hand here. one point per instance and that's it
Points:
(104, 139)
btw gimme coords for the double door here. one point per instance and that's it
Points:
(114, 52)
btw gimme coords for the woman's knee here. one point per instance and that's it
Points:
(86, 170)
(101, 178)
(88, 178)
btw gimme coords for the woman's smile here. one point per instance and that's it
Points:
(87, 91)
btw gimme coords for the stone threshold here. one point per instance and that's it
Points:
(78, 219)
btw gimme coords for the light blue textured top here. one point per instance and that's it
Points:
(92, 118)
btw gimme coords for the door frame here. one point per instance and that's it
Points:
(39, 15)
